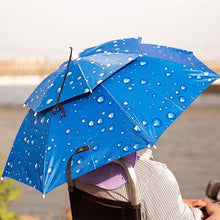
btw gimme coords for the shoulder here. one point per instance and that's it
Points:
(147, 170)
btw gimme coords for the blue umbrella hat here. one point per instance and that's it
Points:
(127, 112)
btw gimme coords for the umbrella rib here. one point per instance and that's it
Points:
(129, 116)
(84, 76)
(165, 97)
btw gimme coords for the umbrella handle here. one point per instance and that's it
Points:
(63, 114)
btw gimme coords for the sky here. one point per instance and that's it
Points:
(45, 29)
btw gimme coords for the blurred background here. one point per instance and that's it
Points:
(35, 37)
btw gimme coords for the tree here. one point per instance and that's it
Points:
(8, 193)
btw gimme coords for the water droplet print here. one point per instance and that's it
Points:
(127, 148)
(101, 99)
(136, 146)
(36, 166)
(136, 128)
(42, 120)
(10, 164)
(182, 99)
(99, 121)
(49, 170)
(143, 82)
(111, 115)
(77, 170)
(95, 148)
(103, 130)
(119, 144)
(68, 131)
(91, 123)
(144, 122)
(183, 88)
(80, 161)
(111, 128)
(86, 90)
(127, 80)
(171, 115)
(49, 101)
(143, 63)
(157, 122)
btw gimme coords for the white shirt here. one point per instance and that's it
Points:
(159, 192)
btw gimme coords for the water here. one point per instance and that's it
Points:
(190, 148)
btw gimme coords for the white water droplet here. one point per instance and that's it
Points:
(100, 121)
(91, 123)
(111, 115)
(143, 63)
(101, 99)
(171, 115)
(143, 81)
(157, 122)
(126, 148)
(49, 101)
(137, 128)
(49, 170)
(126, 80)
(68, 131)
(182, 99)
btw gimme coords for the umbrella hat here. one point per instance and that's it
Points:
(127, 112)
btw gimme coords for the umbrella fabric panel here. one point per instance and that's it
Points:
(26, 160)
(98, 67)
(40, 93)
(129, 45)
(45, 95)
(154, 93)
(174, 55)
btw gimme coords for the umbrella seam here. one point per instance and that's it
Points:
(129, 116)
(165, 97)
(83, 75)
(45, 156)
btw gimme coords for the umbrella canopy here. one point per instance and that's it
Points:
(127, 112)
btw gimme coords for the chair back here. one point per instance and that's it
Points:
(85, 206)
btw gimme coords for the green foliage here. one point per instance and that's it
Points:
(8, 193)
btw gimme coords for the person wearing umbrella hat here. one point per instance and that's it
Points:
(159, 193)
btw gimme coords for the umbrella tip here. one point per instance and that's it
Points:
(44, 196)
(154, 146)
(24, 105)
(35, 114)
(90, 90)
(2, 178)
